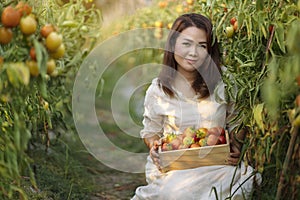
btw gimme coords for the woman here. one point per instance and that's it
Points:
(184, 96)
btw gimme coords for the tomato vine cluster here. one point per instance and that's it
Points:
(20, 19)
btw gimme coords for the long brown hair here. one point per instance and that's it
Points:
(168, 72)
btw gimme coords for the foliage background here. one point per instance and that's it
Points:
(262, 54)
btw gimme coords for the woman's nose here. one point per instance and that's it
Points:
(193, 51)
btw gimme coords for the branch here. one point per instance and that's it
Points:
(286, 162)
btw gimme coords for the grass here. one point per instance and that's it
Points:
(59, 173)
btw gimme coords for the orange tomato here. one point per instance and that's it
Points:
(195, 145)
(46, 30)
(23, 8)
(235, 26)
(10, 17)
(162, 4)
(298, 100)
(6, 35)
(32, 53)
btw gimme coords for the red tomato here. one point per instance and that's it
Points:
(32, 53)
(10, 17)
(23, 8)
(222, 139)
(233, 20)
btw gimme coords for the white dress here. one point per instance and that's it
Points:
(164, 114)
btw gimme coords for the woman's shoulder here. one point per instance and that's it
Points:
(154, 93)
(154, 88)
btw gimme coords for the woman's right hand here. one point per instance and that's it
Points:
(154, 153)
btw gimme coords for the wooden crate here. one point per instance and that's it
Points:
(195, 157)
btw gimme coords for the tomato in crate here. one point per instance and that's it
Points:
(194, 148)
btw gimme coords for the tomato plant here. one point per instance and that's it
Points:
(35, 87)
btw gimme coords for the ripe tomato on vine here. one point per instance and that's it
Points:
(6, 35)
(28, 24)
(10, 17)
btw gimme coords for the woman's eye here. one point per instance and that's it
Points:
(202, 46)
(186, 44)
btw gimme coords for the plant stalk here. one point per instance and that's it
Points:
(286, 162)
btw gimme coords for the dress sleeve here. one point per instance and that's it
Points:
(153, 119)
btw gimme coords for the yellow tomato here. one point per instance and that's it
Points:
(59, 53)
(190, 2)
(51, 66)
(158, 24)
(33, 67)
(28, 24)
(229, 31)
(53, 41)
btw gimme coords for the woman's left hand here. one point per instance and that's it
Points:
(234, 157)
(235, 146)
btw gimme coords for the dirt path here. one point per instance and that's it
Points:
(112, 184)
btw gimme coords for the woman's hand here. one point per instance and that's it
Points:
(153, 144)
(234, 157)
(154, 153)
(236, 143)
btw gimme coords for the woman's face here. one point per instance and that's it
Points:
(190, 49)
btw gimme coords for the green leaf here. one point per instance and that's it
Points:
(263, 30)
(258, 115)
(279, 35)
(41, 57)
(259, 4)
(293, 35)
(42, 86)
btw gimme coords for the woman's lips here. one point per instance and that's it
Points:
(191, 62)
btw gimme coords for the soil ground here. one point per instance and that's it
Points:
(112, 184)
